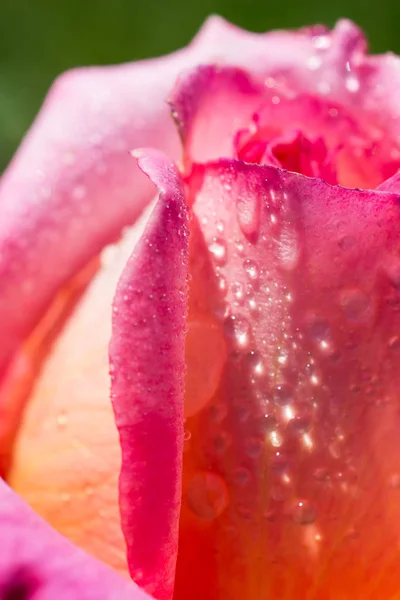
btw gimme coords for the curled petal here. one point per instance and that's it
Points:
(36, 562)
(148, 367)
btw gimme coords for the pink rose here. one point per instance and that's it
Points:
(253, 336)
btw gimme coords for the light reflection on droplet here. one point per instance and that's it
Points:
(288, 413)
(307, 441)
(275, 438)
(219, 250)
(237, 329)
(251, 269)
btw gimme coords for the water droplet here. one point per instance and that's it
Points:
(270, 423)
(254, 447)
(88, 490)
(255, 363)
(237, 329)
(321, 42)
(238, 291)
(222, 286)
(283, 394)
(65, 497)
(352, 84)
(278, 463)
(62, 419)
(303, 513)
(394, 343)
(187, 435)
(251, 269)
(300, 425)
(220, 227)
(321, 474)
(218, 250)
(275, 438)
(221, 442)
(239, 247)
(346, 242)
(241, 476)
(207, 495)
(318, 328)
(248, 214)
(355, 304)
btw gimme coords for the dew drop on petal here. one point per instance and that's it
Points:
(283, 394)
(237, 291)
(254, 447)
(255, 363)
(355, 304)
(221, 442)
(251, 269)
(303, 513)
(394, 343)
(237, 329)
(241, 476)
(207, 495)
(218, 249)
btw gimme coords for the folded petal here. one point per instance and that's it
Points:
(292, 467)
(36, 562)
(148, 367)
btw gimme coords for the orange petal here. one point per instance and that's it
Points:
(67, 456)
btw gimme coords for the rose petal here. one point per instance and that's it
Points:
(210, 104)
(391, 185)
(69, 189)
(292, 468)
(72, 185)
(36, 562)
(148, 367)
(68, 472)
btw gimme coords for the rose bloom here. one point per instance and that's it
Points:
(246, 317)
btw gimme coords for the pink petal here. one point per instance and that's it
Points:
(36, 562)
(310, 314)
(210, 104)
(72, 187)
(148, 367)
(391, 185)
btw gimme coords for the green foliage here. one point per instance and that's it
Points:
(41, 38)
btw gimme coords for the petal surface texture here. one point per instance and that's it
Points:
(147, 358)
(37, 562)
(291, 469)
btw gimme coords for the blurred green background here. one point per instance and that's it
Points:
(41, 38)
